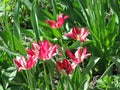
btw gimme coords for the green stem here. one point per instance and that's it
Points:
(50, 74)
(107, 70)
(51, 80)
(45, 77)
(23, 74)
(30, 80)
(62, 43)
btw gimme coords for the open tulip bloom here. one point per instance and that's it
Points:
(44, 50)
(64, 66)
(79, 56)
(78, 34)
(22, 64)
(58, 23)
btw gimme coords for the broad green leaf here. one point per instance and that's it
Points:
(1, 88)
(56, 33)
(34, 21)
(28, 4)
(27, 32)
(69, 86)
(18, 46)
(76, 44)
(83, 8)
(16, 20)
(59, 86)
(86, 84)
(11, 42)
(2, 6)
(116, 60)
(77, 78)
(91, 64)
(8, 75)
(9, 51)
(111, 24)
(111, 32)
(107, 71)
(115, 5)
(44, 14)
(6, 37)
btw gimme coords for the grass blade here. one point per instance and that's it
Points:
(34, 21)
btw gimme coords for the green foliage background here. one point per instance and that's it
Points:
(22, 22)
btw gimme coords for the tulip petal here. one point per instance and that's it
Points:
(51, 23)
(64, 66)
(70, 55)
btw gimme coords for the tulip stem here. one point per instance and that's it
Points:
(24, 76)
(62, 43)
(50, 75)
(107, 70)
(45, 77)
(30, 80)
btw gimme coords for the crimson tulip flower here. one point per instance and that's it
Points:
(78, 34)
(22, 64)
(34, 51)
(79, 56)
(57, 24)
(43, 50)
(64, 66)
(47, 50)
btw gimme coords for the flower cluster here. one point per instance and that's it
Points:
(76, 34)
(45, 50)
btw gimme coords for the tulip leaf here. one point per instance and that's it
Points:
(28, 32)
(91, 64)
(74, 45)
(111, 32)
(34, 21)
(77, 78)
(8, 75)
(115, 5)
(59, 86)
(56, 33)
(69, 87)
(116, 60)
(28, 4)
(16, 21)
(86, 84)
(1, 88)
(9, 51)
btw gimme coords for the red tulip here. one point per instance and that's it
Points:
(35, 50)
(79, 56)
(43, 50)
(31, 61)
(78, 34)
(22, 64)
(47, 50)
(64, 66)
(58, 23)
